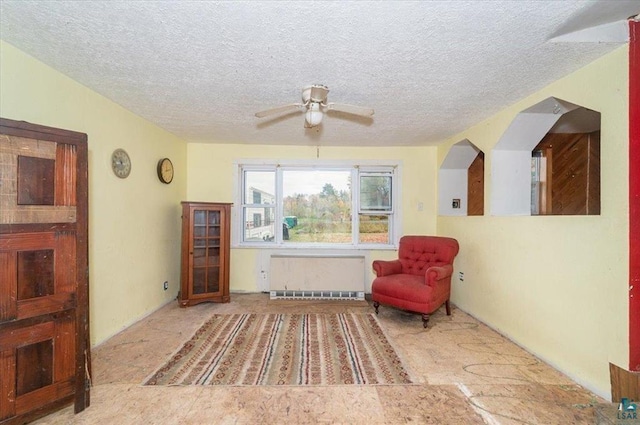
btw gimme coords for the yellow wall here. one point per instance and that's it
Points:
(134, 224)
(556, 285)
(211, 174)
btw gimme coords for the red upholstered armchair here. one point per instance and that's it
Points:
(420, 279)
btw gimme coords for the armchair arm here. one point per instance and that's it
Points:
(435, 274)
(385, 268)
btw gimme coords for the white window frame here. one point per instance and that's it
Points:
(355, 167)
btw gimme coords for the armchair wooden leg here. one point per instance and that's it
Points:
(425, 320)
(448, 307)
(376, 304)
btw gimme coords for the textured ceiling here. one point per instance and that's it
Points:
(201, 69)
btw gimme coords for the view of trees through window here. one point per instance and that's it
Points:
(317, 206)
(320, 202)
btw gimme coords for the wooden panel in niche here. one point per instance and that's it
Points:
(593, 190)
(573, 173)
(475, 186)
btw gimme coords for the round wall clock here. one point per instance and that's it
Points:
(121, 163)
(165, 170)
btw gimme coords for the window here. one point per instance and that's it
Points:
(332, 205)
(538, 182)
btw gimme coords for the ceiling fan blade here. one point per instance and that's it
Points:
(350, 109)
(279, 109)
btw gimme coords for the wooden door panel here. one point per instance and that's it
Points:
(38, 363)
(40, 180)
(36, 181)
(7, 383)
(66, 175)
(8, 286)
(44, 332)
(39, 276)
(43, 396)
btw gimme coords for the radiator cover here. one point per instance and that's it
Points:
(338, 277)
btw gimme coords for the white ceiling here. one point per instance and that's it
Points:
(201, 69)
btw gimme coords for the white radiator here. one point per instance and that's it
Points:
(313, 277)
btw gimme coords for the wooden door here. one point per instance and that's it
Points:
(44, 345)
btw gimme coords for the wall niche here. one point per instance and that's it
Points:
(547, 162)
(461, 181)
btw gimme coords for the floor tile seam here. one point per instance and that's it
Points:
(540, 395)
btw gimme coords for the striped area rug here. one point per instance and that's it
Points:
(285, 349)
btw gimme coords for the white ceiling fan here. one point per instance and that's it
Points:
(314, 103)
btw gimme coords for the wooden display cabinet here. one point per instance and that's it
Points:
(205, 253)
(44, 319)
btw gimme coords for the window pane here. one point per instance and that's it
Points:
(374, 229)
(260, 187)
(375, 193)
(317, 206)
(259, 224)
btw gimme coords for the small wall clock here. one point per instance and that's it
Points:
(165, 170)
(121, 163)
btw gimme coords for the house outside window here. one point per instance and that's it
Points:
(319, 205)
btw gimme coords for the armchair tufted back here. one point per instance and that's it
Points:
(418, 253)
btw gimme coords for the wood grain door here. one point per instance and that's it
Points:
(44, 345)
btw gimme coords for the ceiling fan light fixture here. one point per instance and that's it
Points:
(314, 103)
(314, 115)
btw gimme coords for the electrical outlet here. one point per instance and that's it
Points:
(461, 276)
(165, 285)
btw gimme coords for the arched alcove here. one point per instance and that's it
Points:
(548, 162)
(461, 181)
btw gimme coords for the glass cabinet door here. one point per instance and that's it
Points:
(206, 251)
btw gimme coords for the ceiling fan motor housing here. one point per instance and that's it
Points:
(315, 93)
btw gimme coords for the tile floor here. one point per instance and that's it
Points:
(468, 374)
